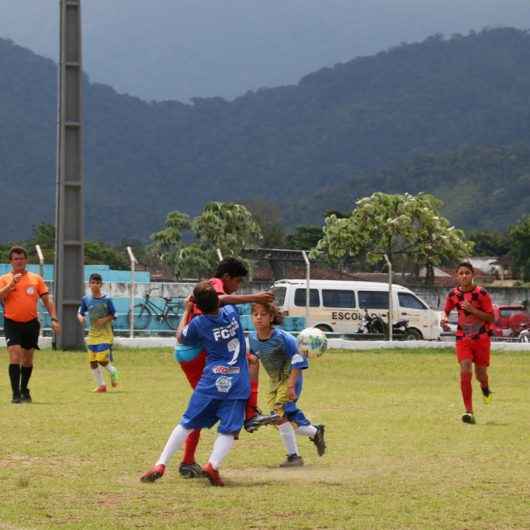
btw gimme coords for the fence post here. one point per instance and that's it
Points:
(133, 262)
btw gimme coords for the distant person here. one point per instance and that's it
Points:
(101, 313)
(227, 280)
(20, 291)
(278, 352)
(473, 343)
(221, 393)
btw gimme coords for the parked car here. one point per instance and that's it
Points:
(511, 319)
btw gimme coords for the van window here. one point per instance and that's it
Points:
(373, 299)
(409, 301)
(299, 298)
(279, 295)
(336, 298)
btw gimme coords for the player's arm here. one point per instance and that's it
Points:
(8, 287)
(183, 324)
(294, 374)
(50, 307)
(253, 367)
(81, 312)
(448, 307)
(263, 297)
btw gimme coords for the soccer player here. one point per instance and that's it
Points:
(226, 282)
(475, 314)
(278, 353)
(101, 312)
(223, 389)
(20, 291)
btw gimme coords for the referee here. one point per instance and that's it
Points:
(20, 291)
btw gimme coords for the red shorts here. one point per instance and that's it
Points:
(475, 350)
(193, 369)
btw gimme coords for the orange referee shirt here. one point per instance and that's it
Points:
(20, 304)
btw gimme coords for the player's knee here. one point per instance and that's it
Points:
(93, 365)
(103, 363)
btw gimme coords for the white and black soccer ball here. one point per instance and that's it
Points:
(312, 342)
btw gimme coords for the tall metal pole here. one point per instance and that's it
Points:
(390, 300)
(133, 261)
(69, 216)
(307, 280)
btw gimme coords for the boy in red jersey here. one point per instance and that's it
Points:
(475, 314)
(227, 280)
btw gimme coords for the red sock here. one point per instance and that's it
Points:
(190, 446)
(467, 390)
(252, 403)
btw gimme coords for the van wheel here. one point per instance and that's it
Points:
(412, 334)
(324, 328)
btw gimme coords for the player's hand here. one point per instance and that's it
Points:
(291, 393)
(81, 319)
(56, 326)
(444, 323)
(99, 322)
(188, 304)
(14, 280)
(468, 306)
(264, 297)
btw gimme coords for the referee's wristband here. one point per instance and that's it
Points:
(55, 320)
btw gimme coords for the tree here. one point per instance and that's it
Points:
(268, 217)
(520, 247)
(305, 237)
(225, 226)
(404, 227)
(489, 242)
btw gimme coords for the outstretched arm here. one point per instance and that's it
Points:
(265, 297)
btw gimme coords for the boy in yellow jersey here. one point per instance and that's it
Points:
(101, 311)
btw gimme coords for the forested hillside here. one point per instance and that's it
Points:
(443, 115)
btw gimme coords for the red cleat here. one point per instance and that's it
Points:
(100, 389)
(154, 473)
(213, 475)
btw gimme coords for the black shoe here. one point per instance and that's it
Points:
(319, 440)
(259, 420)
(469, 418)
(25, 396)
(293, 461)
(16, 398)
(190, 470)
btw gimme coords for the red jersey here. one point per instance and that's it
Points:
(469, 325)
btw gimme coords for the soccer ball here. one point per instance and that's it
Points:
(312, 342)
(185, 353)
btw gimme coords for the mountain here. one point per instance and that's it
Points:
(370, 123)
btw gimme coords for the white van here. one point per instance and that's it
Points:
(339, 306)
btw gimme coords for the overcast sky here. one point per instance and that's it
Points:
(177, 49)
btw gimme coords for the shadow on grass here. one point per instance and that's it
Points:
(496, 424)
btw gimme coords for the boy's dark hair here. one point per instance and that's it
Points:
(17, 250)
(234, 267)
(96, 277)
(467, 265)
(272, 310)
(206, 297)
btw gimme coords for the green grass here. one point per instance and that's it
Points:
(398, 455)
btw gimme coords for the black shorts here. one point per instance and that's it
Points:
(24, 334)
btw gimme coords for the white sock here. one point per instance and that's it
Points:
(98, 375)
(221, 448)
(174, 442)
(306, 430)
(110, 368)
(288, 438)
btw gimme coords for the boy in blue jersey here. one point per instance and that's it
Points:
(223, 389)
(101, 313)
(278, 353)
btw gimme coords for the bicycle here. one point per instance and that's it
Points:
(147, 309)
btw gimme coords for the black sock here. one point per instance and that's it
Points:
(25, 372)
(14, 376)
(486, 390)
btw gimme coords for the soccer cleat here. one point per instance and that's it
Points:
(25, 396)
(487, 396)
(191, 470)
(114, 379)
(319, 440)
(469, 418)
(16, 398)
(154, 473)
(213, 475)
(259, 420)
(99, 389)
(293, 460)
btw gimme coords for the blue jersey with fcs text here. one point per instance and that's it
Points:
(225, 375)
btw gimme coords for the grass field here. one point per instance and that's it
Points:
(398, 455)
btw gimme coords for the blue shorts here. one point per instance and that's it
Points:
(204, 411)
